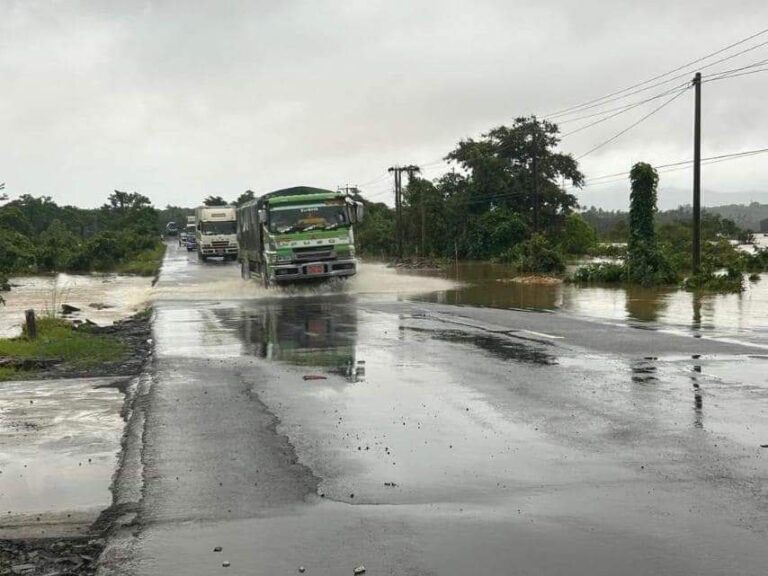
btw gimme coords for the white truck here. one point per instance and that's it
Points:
(216, 232)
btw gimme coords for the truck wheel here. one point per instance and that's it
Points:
(265, 277)
(201, 256)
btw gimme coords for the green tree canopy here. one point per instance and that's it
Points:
(214, 201)
(517, 167)
(246, 196)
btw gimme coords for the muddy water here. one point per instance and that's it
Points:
(102, 298)
(58, 441)
(489, 285)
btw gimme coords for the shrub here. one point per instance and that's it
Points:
(731, 281)
(537, 256)
(602, 272)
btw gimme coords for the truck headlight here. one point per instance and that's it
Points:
(284, 257)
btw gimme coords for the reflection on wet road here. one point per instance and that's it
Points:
(333, 430)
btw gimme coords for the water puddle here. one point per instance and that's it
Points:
(58, 444)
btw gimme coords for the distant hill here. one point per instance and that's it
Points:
(669, 198)
(745, 216)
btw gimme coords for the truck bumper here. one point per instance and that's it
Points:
(310, 270)
(209, 251)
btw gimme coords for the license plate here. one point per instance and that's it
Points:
(315, 269)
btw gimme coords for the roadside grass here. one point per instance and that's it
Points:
(8, 373)
(56, 338)
(146, 263)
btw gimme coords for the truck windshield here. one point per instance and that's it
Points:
(283, 219)
(211, 228)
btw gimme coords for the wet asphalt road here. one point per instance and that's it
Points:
(337, 430)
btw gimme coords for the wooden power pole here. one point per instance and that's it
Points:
(696, 260)
(397, 171)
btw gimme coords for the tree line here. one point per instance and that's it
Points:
(38, 235)
(507, 199)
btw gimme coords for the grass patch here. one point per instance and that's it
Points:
(8, 373)
(56, 338)
(145, 263)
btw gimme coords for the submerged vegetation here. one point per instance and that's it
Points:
(506, 201)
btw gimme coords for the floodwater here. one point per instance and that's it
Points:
(481, 284)
(102, 298)
(485, 284)
(58, 446)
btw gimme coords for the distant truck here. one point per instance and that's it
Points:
(171, 229)
(298, 233)
(216, 232)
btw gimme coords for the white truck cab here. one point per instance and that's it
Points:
(216, 232)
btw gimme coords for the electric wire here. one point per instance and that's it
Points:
(659, 76)
(636, 123)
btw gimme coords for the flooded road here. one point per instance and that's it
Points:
(329, 429)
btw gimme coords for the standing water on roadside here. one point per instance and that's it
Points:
(491, 285)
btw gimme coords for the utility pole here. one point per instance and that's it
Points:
(534, 167)
(398, 174)
(696, 263)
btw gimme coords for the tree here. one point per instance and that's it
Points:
(517, 167)
(645, 262)
(376, 235)
(214, 201)
(579, 236)
(56, 247)
(246, 196)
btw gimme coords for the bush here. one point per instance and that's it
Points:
(493, 233)
(731, 281)
(603, 272)
(537, 256)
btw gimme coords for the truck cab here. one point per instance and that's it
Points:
(299, 233)
(216, 232)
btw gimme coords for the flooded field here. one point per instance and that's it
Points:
(489, 285)
(106, 298)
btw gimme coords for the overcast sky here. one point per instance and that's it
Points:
(178, 100)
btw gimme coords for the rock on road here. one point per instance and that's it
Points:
(433, 440)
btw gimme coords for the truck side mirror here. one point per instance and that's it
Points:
(359, 211)
(262, 215)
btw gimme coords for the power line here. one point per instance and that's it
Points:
(628, 128)
(623, 110)
(624, 106)
(659, 76)
(734, 75)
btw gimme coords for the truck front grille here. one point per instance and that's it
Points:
(314, 254)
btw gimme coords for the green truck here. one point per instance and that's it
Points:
(298, 233)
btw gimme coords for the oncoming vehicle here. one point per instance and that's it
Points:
(216, 232)
(190, 241)
(298, 234)
(171, 229)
